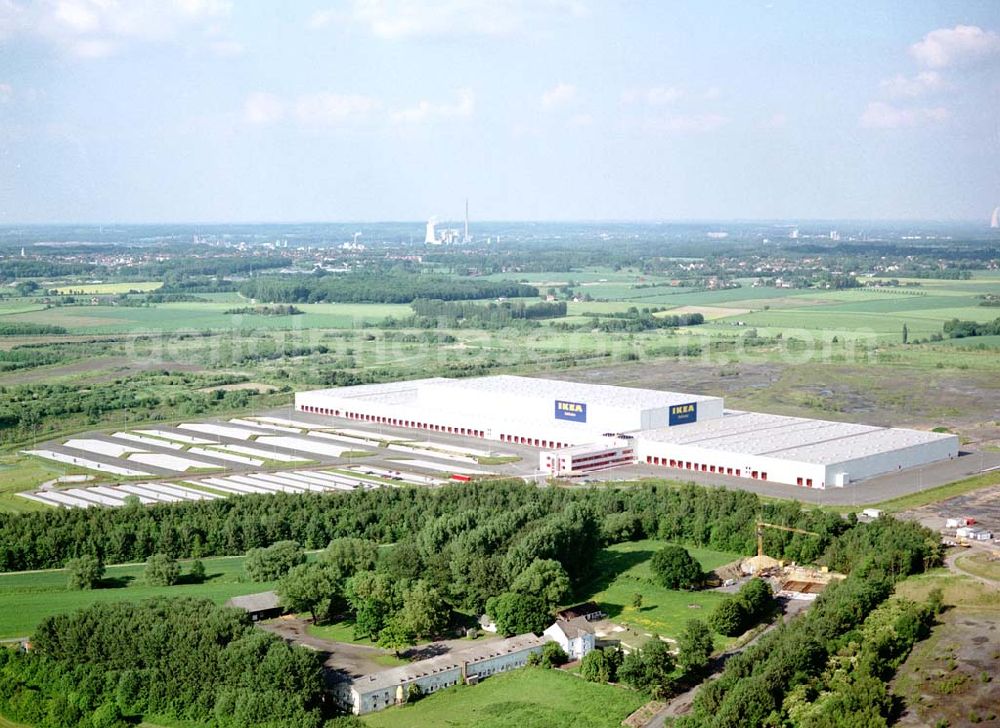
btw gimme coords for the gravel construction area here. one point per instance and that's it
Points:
(982, 504)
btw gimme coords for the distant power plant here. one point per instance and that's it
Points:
(447, 236)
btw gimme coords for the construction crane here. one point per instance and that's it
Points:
(761, 525)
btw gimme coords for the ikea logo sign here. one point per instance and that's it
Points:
(682, 414)
(572, 411)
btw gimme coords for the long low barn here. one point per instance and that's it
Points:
(586, 427)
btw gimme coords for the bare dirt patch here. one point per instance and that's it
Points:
(94, 370)
(953, 678)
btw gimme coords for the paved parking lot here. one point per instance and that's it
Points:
(873, 490)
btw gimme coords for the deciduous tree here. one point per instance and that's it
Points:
(518, 613)
(545, 578)
(161, 570)
(424, 612)
(273, 562)
(309, 588)
(675, 568)
(648, 668)
(395, 636)
(84, 572)
(695, 646)
(728, 617)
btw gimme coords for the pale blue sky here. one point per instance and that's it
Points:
(209, 110)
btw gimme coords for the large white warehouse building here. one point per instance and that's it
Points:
(584, 427)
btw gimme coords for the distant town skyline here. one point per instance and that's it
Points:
(216, 111)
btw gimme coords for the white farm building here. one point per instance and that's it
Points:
(585, 427)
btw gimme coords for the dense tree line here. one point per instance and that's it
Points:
(25, 328)
(434, 313)
(950, 273)
(278, 310)
(452, 523)
(753, 604)
(388, 288)
(16, 268)
(178, 268)
(853, 687)
(26, 358)
(160, 297)
(755, 683)
(635, 320)
(186, 659)
(956, 329)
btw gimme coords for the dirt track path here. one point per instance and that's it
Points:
(951, 561)
(681, 704)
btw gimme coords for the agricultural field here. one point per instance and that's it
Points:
(96, 289)
(526, 698)
(199, 316)
(623, 570)
(26, 598)
(835, 354)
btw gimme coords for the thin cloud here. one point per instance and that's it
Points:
(427, 111)
(322, 18)
(227, 48)
(263, 108)
(559, 95)
(6, 92)
(686, 123)
(402, 19)
(921, 84)
(653, 96)
(99, 28)
(880, 115)
(960, 45)
(333, 109)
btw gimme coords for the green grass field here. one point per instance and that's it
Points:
(338, 632)
(93, 289)
(527, 698)
(980, 565)
(199, 316)
(28, 597)
(22, 472)
(623, 570)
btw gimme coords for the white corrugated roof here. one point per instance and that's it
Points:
(790, 438)
(371, 391)
(593, 394)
